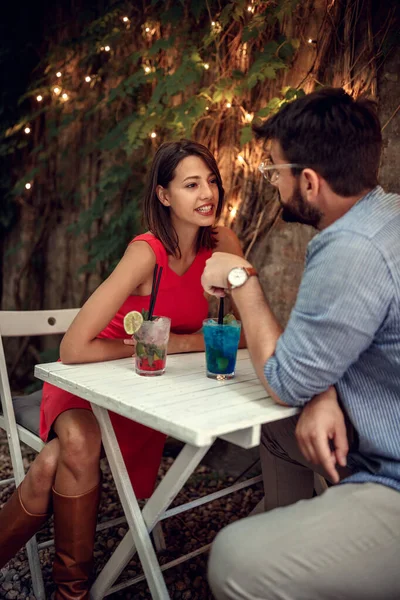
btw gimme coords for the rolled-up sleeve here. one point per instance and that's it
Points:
(343, 300)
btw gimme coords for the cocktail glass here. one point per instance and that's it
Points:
(151, 346)
(221, 342)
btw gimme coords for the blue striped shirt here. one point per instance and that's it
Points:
(345, 331)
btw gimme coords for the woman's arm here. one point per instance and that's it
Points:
(80, 343)
(228, 241)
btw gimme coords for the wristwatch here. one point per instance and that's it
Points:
(239, 275)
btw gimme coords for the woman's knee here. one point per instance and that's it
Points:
(44, 467)
(80, 440)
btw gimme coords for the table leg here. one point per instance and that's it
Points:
(174, 480)
(137, 526)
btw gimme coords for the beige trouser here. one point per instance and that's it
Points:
(344, 544)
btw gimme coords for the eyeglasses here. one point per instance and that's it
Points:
(271, 171)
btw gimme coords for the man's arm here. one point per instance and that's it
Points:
(261, 328)
(344, 298)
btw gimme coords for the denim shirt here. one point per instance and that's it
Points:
(345, 331)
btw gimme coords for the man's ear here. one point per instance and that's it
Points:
(162, 195)
(310, 184)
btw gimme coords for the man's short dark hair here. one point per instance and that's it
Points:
(330, 132)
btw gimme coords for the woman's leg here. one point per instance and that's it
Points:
(76, 495)
(30, 505)
(37, 485)
(80, 446)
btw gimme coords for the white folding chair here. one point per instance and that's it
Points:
(19, 417)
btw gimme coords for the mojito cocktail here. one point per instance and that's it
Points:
(151, 346)
(221, 342)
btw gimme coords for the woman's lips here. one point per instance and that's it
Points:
(206, 210)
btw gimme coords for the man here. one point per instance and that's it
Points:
(338, 360)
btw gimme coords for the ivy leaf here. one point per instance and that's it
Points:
(226, 14)
(271, 107)
(269, 72)
(246, 135)
(162, 44)
(217, 96)
(249, 34)
(197, 7)
(173, 16)
(237, 74)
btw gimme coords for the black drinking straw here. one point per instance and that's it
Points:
(154, 289)
(221, 311)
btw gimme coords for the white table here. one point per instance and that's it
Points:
(184, 404)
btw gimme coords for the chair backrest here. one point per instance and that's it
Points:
(24, 323)
(35, 322)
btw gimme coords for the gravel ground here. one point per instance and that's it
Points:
(183, 533)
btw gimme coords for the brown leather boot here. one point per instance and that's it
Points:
(17, 526)
(75, 520)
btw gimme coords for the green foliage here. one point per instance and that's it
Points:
(153, 78)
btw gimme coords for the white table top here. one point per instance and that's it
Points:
(183, 403)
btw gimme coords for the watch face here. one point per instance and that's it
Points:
(237, 277)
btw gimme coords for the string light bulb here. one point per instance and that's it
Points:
(125, 19)
(39, 98)
(241, 159)
(65, 96)
(147, 69)
(57, 91)
(88, 79)
(107, 48)
(212, 23)
(58, 74)
(207, 108)
(248, 117)
(27, 130)
(147, 30)
(28, 186)
(153, 134)
(228, 105)
(250, 8)
(206, 66)
(233, 212)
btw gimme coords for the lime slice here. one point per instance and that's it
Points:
(222, 363)
(229, 318)
(132, 321)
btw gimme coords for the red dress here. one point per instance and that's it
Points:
(181, 298)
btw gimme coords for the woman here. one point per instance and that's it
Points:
(183, 200)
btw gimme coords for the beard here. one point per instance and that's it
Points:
(297, 210)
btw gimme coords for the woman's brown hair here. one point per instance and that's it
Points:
(156, 215)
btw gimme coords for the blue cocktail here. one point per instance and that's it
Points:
(221, 342)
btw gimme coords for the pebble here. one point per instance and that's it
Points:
(183, 533)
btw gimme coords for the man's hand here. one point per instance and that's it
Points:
(322, 420)
(215, 275)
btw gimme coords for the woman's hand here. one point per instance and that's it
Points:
(187, 342)
(131, 342)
